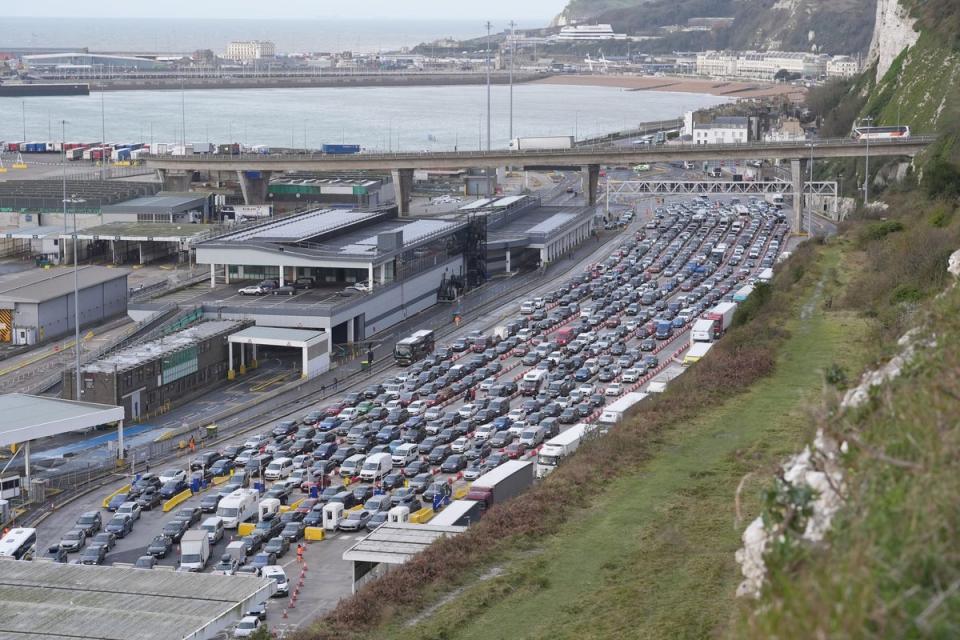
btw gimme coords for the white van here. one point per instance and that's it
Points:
(352, 465)
(375, 467)
(279, 469)
(405, 454)
(278, 575)
(214, 528)
(531, 436)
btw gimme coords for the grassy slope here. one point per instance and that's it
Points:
(653, 557)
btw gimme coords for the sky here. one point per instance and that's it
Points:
(539, 10)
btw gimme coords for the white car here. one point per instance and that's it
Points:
(254, 290)
(362, 287)
(131, 509)
(172, 474)
(614, 389)
(417, 407)
(486, 384)
(254, 441)
(247, 627)
(630, 375)
(466, 411)
(517, 414)
(392, 405)
(348, 413)
(433, 413)
(461, 444)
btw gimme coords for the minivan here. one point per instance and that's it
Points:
(405, 454)
(279, 469)
(376, 466)
(352, 465)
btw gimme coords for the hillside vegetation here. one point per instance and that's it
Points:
(833, 26)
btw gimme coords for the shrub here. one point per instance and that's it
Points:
(751, 307)
(942, 179)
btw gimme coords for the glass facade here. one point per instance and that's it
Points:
(180, 364)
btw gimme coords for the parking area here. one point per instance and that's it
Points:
(620, 325)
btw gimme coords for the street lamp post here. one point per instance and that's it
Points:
(488, 84)
(810, 196)
(866, 174)
(513, 45)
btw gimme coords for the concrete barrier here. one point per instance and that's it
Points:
(176, 500)
(218, 480)
(106, 501)
(313, 534)
(421, 516)
(245, 528)
(461, 492)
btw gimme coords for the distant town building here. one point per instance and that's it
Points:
(723, 130)
(247, 50)
(588, 32)
(842, 67)
(761, 65)
(789, 130)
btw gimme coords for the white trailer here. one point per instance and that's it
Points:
(696, 351)
(543, 143)
(559, 447)
(613, 413)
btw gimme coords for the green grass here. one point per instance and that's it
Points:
(654, 556)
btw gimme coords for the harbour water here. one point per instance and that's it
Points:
(409, 118)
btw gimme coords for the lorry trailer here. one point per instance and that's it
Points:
(560, 446)
(501, 484)
(543, 143)
(614, 413)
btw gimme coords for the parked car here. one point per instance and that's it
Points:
(160, 547)
(73, 540)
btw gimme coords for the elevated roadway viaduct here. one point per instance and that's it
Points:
(254, 171)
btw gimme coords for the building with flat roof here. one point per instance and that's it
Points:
(402, 265)
(156, 375)
(343, 188)
(165, 206)
(48, 601)
(75, 60)
(38, 305)
(391, 544)
(249, 50)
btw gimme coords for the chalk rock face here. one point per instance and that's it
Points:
(894, 31)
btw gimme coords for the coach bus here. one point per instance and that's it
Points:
(880, 133)
(413, 348)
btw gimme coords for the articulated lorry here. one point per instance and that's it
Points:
(543, 143)
(613, 413)
(501, 484)
(560, 446)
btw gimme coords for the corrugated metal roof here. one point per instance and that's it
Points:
(158, 204)
(397, 542)
(26, 417)
(40, 600)
(140, 353)
(40, 285)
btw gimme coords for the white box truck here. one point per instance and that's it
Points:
(543, 143)
(239, 506)
(704, 330)
(194, 550)
(560, 446)
(613, 413)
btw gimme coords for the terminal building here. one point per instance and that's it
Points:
(403, 266)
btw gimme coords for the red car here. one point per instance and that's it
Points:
(520, 350)
(514, 450)
(612, 322)
(333, 409)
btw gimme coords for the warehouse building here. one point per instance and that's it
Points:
(166, 206)
(155, 376)
(38, 305)
(354, 189)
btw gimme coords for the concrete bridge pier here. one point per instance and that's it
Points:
(253, 185)
(174, 180)
(591, 176)
(403, 189)
(796, 175)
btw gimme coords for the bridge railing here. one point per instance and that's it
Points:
(799, 145)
